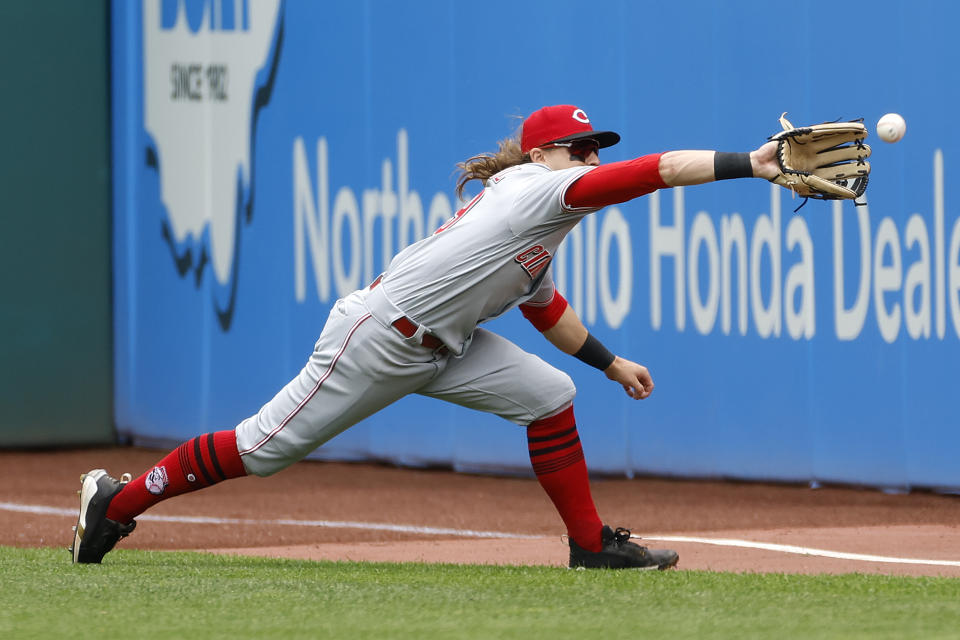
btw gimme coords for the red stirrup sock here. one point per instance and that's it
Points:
(557, 459)
(195, 464)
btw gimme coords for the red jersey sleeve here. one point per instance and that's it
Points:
(544, 315)
(616, 182)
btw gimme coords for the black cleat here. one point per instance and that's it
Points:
(95, 534)
(619, 553)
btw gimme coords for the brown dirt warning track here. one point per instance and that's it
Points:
(321, 510)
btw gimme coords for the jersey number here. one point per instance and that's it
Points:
(459, 214)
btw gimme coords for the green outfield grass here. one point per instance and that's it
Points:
(139, 594)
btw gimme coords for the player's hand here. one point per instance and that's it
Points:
(634, 378)
(764, 161)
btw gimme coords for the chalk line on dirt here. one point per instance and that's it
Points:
(328, 524)
(806, 551)
(470, 533)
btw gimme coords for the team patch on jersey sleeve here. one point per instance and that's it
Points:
(534, 260)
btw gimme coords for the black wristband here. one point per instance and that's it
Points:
(731, 165)
(595, 354)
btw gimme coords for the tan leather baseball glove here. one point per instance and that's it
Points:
(826, 161)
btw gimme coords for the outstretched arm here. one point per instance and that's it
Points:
(621, 181)
(681, 168)
(571, 336)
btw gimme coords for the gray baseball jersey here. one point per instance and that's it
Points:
(490, 257)
(416, 329)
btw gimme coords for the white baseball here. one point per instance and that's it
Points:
(891, 127)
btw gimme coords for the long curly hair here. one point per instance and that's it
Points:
(483, 166)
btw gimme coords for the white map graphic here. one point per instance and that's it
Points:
(199, 87)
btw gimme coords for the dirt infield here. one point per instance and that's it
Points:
(368, 512)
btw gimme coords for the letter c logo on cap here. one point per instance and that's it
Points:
(580, 116)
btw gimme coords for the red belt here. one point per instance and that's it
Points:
(408, 328)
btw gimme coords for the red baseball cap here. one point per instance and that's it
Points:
(561, 123)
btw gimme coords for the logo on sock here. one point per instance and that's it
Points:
(157, 480)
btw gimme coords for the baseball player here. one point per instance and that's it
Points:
(415, 329)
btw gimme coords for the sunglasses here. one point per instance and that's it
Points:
(581, 147)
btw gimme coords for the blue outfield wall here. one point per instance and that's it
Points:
(271, 156)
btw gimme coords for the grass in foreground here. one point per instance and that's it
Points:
(141, 594)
